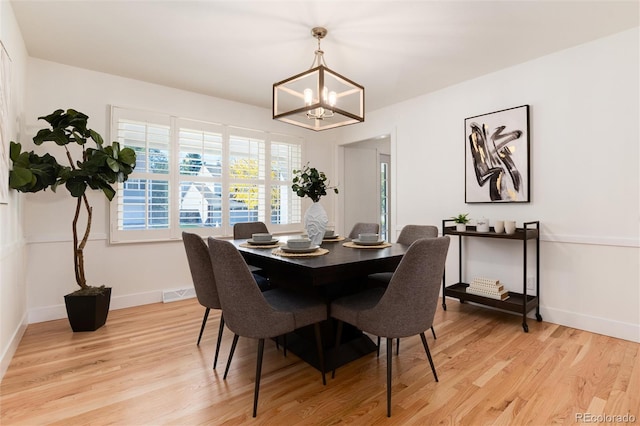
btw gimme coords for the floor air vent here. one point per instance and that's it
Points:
(178, 294)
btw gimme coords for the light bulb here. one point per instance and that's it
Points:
(332, 98)
(308, 96)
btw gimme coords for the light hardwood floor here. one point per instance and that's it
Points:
(144, 368)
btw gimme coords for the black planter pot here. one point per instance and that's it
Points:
(88, 312)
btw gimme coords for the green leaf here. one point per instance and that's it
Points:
(76, 187)
(113, 164)
(128, 156)
(14, 150)
(109, 191)
(19, 177)
(96, 137)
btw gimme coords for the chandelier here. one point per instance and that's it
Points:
(318, 99)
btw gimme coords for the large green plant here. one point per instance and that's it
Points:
(309, 182)
(99, 168)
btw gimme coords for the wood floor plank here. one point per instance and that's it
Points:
(144, 368)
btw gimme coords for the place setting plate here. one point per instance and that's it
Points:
(262, 243)
(287, 249)
(367, 243)
(356, 243)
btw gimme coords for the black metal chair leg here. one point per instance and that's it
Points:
(316, 329)
(220, 330)
(233, 348)
(397, 350)
(426, 349)
(389, 360)
(204, 322)
(433, 332)
(338, 338)
(284, 344)
(258, 373)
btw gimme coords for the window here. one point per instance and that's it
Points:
(202, 177)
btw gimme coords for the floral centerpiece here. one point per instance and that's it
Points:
(309, 182)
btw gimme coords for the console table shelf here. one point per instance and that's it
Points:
(516, 302)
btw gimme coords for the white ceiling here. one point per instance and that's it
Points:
(237, 49)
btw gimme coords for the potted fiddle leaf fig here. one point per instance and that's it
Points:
(99, 168)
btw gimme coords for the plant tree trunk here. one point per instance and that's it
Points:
(78, 247)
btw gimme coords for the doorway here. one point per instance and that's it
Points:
(367, 183)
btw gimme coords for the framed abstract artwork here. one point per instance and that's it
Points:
(497, 157)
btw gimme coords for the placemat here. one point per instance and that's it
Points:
(259, 246)
(351, 244)
(318, 252)
(333, 240)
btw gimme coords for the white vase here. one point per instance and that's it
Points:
(461, 227)
(315, 223)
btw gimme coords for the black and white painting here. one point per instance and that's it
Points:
(497, 157)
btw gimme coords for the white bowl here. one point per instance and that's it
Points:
(299, 243)
(329, 233)
(262, 237)
(367, 238)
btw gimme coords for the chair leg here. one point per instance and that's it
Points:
(398, 346)
(316, 329)
(338, 338)
(220, 330)
(378, 350)
(258, 373)
(233, 349)
(433, 332)
(389, 360)
(426, 349)
(284, 344)
(204, 322)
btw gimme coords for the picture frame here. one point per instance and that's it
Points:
(497, 157)
(5, 99)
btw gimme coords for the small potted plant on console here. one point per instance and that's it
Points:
(461, 222)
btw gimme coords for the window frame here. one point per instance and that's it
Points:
(174, 231)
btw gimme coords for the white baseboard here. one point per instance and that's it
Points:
(54, 312)
(608, 327)
(5, 360)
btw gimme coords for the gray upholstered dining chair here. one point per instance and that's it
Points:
(250, 313)
(245, 230)
(364, 228)
(407, 306)
(408, 235)
(204, 282)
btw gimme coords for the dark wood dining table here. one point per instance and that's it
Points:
(341, 271)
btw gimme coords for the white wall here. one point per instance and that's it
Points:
(138, 273)
(13, 294)
(584, 127)
(361, 187)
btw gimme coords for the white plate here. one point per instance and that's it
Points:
(262, 243)
(367, 243)
(287, 249)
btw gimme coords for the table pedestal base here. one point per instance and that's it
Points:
(354, 344)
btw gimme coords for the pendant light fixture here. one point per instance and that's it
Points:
(318, 99)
